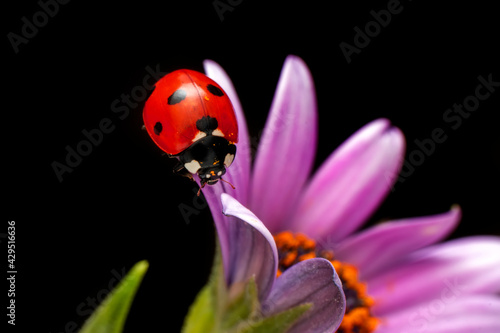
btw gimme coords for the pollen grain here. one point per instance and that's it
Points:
(296, 247)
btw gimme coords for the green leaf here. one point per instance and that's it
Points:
(111, 314)
(278, 323)
(218, 309)
(242, 306)
(201, 315)
(204, 315)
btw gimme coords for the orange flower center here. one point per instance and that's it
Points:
(296, 247)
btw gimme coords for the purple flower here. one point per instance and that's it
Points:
(396, 278)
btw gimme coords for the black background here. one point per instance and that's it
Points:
(121, 203)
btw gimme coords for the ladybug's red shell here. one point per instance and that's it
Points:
(179, 100)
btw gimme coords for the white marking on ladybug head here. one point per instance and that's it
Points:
(219, 173)
(217, 132)
(192, 166)
(228, 160)
(199, 135)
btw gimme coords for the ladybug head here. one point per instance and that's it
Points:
(211, 175)
(208, 157)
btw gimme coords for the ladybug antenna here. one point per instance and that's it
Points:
(199, 190)
(204, 183)
(225, 181)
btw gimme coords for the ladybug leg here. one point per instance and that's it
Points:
(180, 170)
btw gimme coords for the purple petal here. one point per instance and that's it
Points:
(311, 281)
(238, 173)
(456, 268)
(351, 183)
(382, 245)
(448, 314)
(222, 223)
(252, 250)
(287, 147)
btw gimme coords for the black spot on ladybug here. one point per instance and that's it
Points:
(215, 90)
(177, 97)
(207, 124)
(158, 128)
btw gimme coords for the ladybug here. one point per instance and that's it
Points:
(190, 117)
